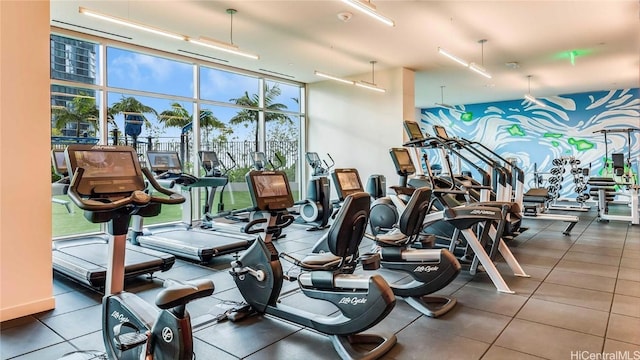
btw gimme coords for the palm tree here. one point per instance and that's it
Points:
(81, 109)
(133, 111)
(251, 116)
(179, 117)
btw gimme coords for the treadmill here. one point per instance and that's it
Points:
(181, 238)
(84, 258)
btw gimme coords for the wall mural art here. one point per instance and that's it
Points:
(569, 126)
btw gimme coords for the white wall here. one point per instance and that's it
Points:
(25, 178)
(358, 126)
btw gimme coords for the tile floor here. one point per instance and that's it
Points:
(581, 301)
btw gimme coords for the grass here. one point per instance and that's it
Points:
(65, 224)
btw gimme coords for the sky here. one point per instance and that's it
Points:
(130, 70)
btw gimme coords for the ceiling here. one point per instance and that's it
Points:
(294, 38)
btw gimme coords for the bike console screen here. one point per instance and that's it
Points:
(402, 161)
(164, 161)
(107, 169)
(59, 162)
(209, 160)
(269, 190)
(347, 182)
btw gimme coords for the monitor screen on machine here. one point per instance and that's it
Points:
(441, 132)
(164, 161)
(413, 130)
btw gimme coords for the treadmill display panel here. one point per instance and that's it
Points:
(270, 190)
(108, 170)
(347, 182)
(441, 132)
(402, 161)
(164, 161)
(312, 157)
(209, 160)
(59, 162)
(413, 130)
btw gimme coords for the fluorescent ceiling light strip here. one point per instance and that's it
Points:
(480, 70)
(332, 77)
(534, 100)
(369, 86)
(453, 57)
(217, 45)
(129, 23)
(369, 9)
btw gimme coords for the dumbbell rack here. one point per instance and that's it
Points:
(556, 180)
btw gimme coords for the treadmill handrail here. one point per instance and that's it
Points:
(136, 197)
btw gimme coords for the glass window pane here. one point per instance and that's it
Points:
(74, 119)
(230, 133)
(282, 145)
(149, 123)
(282, 96)
(225, 86)
(133, 70)
(74, 60)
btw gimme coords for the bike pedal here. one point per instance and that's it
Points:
(130, 340)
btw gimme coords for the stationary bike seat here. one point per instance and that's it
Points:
(181, 292)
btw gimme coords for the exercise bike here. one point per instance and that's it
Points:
(362, 301)
(132, 328)
(428, 270)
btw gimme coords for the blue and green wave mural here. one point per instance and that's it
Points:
(567, 126)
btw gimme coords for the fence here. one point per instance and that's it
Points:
(240, 151)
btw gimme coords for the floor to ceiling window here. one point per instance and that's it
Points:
(150, 102)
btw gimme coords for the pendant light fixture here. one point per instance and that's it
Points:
(229, 47)
(370, 85)
(361, 83)
(129, 23)
(442, 103)
(368, 8)
(471, 65)
(530, 97)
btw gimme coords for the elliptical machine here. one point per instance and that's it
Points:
(108, 184)
(362, 301)
(316, 209)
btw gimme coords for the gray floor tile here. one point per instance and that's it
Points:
(624, 328)
(49, 352)
(401, 316)
(632, 245)
(90, 342)
(72, 301)
(204, 350)
(531, 250)
(470, 323)
(633, 254)
(243, 338)
(631, 350)
(626, 305)
(568, 317)
(68, 326)
(627, 287)
(500, 353)
(490, 300)
(536, 260)
(591, 269)
(522, 286)
(630, 262)
(592, 258)
(417, 342)
(597, 249)
(546, 341)
(545, 243)
(585, 281)
(30, 336)
(187, 272)
(629, 274)
(596, 300)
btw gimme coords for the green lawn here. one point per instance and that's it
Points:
(64, 224)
